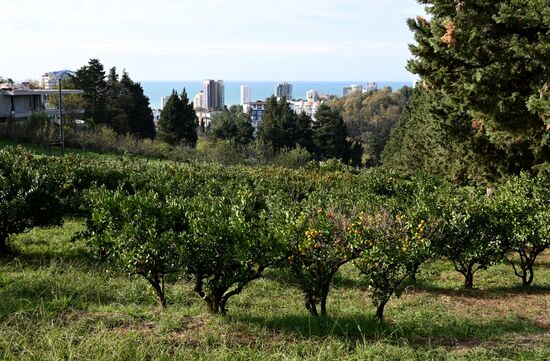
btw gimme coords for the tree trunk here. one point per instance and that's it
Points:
(527, 276)
(216, 303)
(159, 289)
(380, 310)
(414, 271)
(324, 296)
(468, 279)
(4, 249)
(311, 306)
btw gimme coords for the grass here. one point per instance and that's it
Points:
(55, 150)
(58, 303)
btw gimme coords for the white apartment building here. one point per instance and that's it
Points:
(163, 101)
(245, 94)
(308, 107)
(312, 96)
(352, 89)
(198, 100)
(51, 80)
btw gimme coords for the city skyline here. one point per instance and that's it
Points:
(184, 40)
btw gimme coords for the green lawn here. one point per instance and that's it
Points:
(57, 303)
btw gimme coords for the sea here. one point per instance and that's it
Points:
(260, 90)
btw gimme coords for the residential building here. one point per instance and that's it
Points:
(198, 100)
(163, 101)
(245, 94)
(352, 89)
(256, 110)
(372, 86)
(18, 101)
(312, 96)
(205, 117)
(213, 95)
(308, 107)
(284, 90)
(51, 80)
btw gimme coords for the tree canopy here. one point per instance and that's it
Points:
(233, 124)
(118, 102)
(178, 121)
(490, 58)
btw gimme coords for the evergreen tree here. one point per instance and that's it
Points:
(491, 58)
(435, 136)
(303, 133)
(118, 101)
(178, 121)
(139, 116)
(233, 124)
(329, 134)
(91, 79)
(282, 127)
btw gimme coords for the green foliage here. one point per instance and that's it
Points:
(491, 58)
(120, 104)
(369, 117)
(142, 234)
(319, 246)
(178, 121)
(46, 132)
(523, 208)
(91, 79)
(229, 244)
(29, 196)
(437, 137)
(396, 245)
(282, 128)
(329, 134)
(470, 234)
(135, 105)
(234, 125)
(292, 158)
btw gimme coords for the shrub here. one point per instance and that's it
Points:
(523, 211)
(142, 234)
(29, 196)
(292, 158)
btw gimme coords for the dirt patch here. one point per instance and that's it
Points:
(535, 307)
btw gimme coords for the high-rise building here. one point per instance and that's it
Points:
(163, 101)
(312, 96)
(372, 86)
(284, 90)
(245, 94)
(213, 95)
(198, 100)
(352, 89)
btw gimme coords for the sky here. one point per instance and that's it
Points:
(222, 39)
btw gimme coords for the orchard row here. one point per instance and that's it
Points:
(221, 227)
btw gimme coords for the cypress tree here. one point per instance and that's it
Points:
(91, 79)
(138, 112)
(178, 121)
(329, 134)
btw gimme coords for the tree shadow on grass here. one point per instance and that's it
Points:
(418, 333)
(488, 293)
(50, 295)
